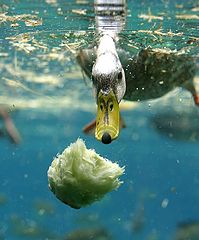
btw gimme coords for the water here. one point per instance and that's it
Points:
(50, 102)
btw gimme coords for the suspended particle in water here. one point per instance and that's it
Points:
(165, 203)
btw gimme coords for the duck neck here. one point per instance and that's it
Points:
(106, 45)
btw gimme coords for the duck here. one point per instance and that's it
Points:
(117, 73)
(105, 69)
(109, 85)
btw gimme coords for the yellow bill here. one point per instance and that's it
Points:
(108, 117)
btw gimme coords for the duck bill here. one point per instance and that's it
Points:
(108, 116)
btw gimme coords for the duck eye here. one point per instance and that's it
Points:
(119, 76)
(111, 106)
(101, 106)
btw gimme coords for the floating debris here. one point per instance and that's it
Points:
(22, 42)
(33, 22)
(51, 1)
(3, 54)
(179, 6)
(72, 47)
(79, 11)
(193, 40)
(81, 2)
(26, 47)
(160, 33)
(27, 18)
(79, 176)
(25, 37)
(195, 9)
(187, 16)
(14, 24)
(150, 17)
(56, 54)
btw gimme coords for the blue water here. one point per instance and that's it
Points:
(157, 168)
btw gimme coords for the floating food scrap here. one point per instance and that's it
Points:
(79, 176)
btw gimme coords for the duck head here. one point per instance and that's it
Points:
(109, 86)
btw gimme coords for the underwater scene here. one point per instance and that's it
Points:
(99, 120)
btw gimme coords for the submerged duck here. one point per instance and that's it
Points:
(118, 74)
(148, 75)
(105, 69)
(109, 85)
